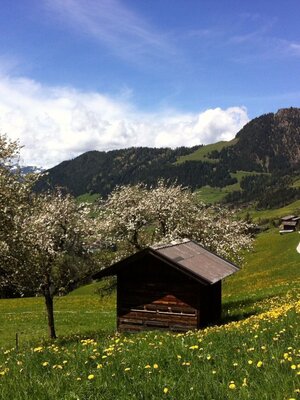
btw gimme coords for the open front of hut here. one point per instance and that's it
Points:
(175, 287)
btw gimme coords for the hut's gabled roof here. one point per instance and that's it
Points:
(186, 256)
(288, 217)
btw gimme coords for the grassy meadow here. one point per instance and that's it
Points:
(211, 195)
(253, 354)
(202, 153)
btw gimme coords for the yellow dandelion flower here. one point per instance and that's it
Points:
(147, 366)
(166, 390)
(38, 349)
(45, 364)
(293, 366)
(127, 369)
(232, 386)
(259, 364)
(155, 366)
(90, 377)
(78, 379)
(99, 366)
(250, 362)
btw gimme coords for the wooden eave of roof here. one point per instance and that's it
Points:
(288, 217)
(187, 266)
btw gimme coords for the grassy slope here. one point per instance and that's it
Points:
(258, 353)
(202, 153)
(88, 198)
(78, 313)
(296, 183)
(210, 195)
(292, 208)
(269, 268)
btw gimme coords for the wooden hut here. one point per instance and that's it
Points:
(290, 223)
(175, 287)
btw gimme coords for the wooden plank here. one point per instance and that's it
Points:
(134, 321)
(166, 300)
(155, 323)
(174, 319)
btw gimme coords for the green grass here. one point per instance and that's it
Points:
(210, 195)
(202, 153)
(296, 183)
(90, 289)
(88, 198)
(292, 208)
(261, 308)
(252, 359)
(74, 314)
(270, 269)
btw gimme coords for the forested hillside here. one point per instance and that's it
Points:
(268, 147)
(101, 172)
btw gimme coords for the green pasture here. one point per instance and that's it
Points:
(83, 313)
(210, 195)
(202, 153)
(252, 354)
(269, 269)
(255, 358)
(292, 208)
(88, 198)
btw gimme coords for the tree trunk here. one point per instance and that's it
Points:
(50, 314)
(135, 242)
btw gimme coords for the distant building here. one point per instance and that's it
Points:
(290, 223)
(173, 287)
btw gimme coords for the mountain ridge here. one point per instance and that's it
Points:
(267, 145)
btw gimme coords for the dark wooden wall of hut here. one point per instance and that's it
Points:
(153, 295)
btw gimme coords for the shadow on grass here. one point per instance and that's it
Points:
(237, 310)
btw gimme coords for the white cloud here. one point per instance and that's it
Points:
(59, 123)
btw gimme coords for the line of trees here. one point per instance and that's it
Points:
(134, 217)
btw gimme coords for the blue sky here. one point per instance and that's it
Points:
(77, 75)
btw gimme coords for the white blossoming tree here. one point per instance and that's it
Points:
(44, 239)
(55, 239)
(15, 194)
(140, 217)
(125, 215)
